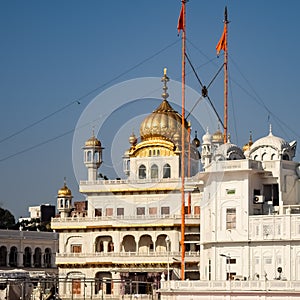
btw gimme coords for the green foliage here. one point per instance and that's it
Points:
(7, 220)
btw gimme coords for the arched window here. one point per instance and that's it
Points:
(166, 171)
(27, 257)
(3, 255)
(13, 257)
(37, 258)
(154, 171)
(142, 172)
(89, 156)
(47, 258)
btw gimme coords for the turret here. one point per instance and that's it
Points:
(92, 157)
(207, 150)
(64, 201)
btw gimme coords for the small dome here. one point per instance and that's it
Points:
(64, 191)
(218, 137)
(270, 141)
(207, 138)
(132, 139)
(229, 151)
(93, 142)
(247, 146)
(196, 141)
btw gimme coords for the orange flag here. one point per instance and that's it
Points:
(222, 45)
(180, 25)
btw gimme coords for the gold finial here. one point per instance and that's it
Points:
(165, 79)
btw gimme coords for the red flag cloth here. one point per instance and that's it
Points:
(222, 45)
(180, 25)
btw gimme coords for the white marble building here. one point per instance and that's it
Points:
(131, 229)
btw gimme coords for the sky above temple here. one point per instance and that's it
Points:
(57, 56)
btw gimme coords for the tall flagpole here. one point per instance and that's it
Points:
(225, 78)
(183, 144)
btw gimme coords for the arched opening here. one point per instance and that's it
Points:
(166, 171)
(27, 257)
(37, 258)
(3, 256)
(129, 244)
(47, 258)
(145, 244)
(103, 283)
(142, 172)
(154, 171)
(13, 257)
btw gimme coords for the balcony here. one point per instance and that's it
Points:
(125, 257)
(123, 221)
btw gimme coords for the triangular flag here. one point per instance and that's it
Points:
(222, 45)
(180, 25)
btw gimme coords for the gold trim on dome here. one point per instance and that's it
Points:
(150, 147)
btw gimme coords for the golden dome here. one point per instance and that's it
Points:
(64, 191)
(163, 123)
(93, 142)
(247, 146)
(218, 137)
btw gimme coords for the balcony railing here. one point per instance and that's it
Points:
(274, 227)
(248, 285)
(125, 257)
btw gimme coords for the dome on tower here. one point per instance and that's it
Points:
(93, 142)
(206, 139)
(247, 146)
(218, 137)
(64, 191)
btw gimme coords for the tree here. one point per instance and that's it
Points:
(7, 220)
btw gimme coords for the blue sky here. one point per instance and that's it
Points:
(54, 52)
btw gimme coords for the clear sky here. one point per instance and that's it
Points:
(53, 53)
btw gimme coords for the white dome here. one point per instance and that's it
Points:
(270, 141)
(206, 139)
(272, 147)
(229, 151)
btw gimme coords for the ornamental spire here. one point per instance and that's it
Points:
(165, 79)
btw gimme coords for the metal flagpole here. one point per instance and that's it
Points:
(225, 79)
(183, 145)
